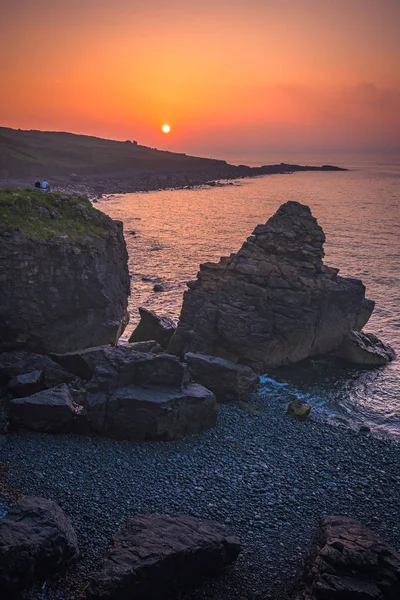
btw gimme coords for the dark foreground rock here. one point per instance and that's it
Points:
(36, 540)
(25, 373)
(350, 562)
(120, 393)
(153, 327)
(274, 302)
(49, 410)
(66, 285)
(365, 349)
(160, 557)
(138, 413)
(230, 382)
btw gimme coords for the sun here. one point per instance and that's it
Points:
(166, 128)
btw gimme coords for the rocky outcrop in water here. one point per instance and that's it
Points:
(36, 540)
(349, 561)
(274, 302)
(365, 349)
(161, 557)
(66, 284)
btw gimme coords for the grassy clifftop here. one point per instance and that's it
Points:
(48, 216)
(46, 153)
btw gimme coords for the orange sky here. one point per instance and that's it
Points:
(227, 75)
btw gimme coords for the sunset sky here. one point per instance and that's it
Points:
(228, 76)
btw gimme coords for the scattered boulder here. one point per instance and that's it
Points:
(36, 540)
(27, 384)
(66, 285)
(365, 349)
(161, 556)
(23, 371)
(133, 395)
(49, 410)
(120, 361)
(348, 561)
(138, 413)
(299, 409)
(158, 288)
(274, 302)
(153, 327)
(151, 347)
(229, 382)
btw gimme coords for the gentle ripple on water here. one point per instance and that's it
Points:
(176, 230)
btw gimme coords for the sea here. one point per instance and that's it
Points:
(170, 232)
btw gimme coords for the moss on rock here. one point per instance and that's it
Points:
(49, 215)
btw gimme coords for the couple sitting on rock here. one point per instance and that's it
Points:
(42, 185)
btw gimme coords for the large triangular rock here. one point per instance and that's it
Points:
(274, 302)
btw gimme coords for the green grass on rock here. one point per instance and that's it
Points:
(47, 215)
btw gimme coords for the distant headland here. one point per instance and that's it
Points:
(91, 165)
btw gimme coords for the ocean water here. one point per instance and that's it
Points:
(359, 210)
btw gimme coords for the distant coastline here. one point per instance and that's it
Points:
(93, 166)
(94, 186)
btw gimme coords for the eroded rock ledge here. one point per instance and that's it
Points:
(274, 302)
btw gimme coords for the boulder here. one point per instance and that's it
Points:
(349, 561)
(365, 349)
(27, 384)
(26, 372)
(229, 382)
(161, 557)
(153, 327)
(150, 346)
(49, 410)
(274, 302)
(36, 540)
(121, 365)
(151, 413)
(299, 409)
(66, 285)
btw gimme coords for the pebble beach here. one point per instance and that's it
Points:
(268, 477)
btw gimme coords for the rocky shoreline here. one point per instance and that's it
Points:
(267, 476)
(94, 186)
(203, 483)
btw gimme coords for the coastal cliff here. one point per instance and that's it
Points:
(65, 282)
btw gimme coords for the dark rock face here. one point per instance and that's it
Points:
(350, 562)
(59, 295)
(151, 413)
(153, 327)
(274, 302)
(48, 410)
(229, 382)
(365, 349)
(36, 540)
(159, 557)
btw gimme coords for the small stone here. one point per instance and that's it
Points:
(299, 409)
(364, 429)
